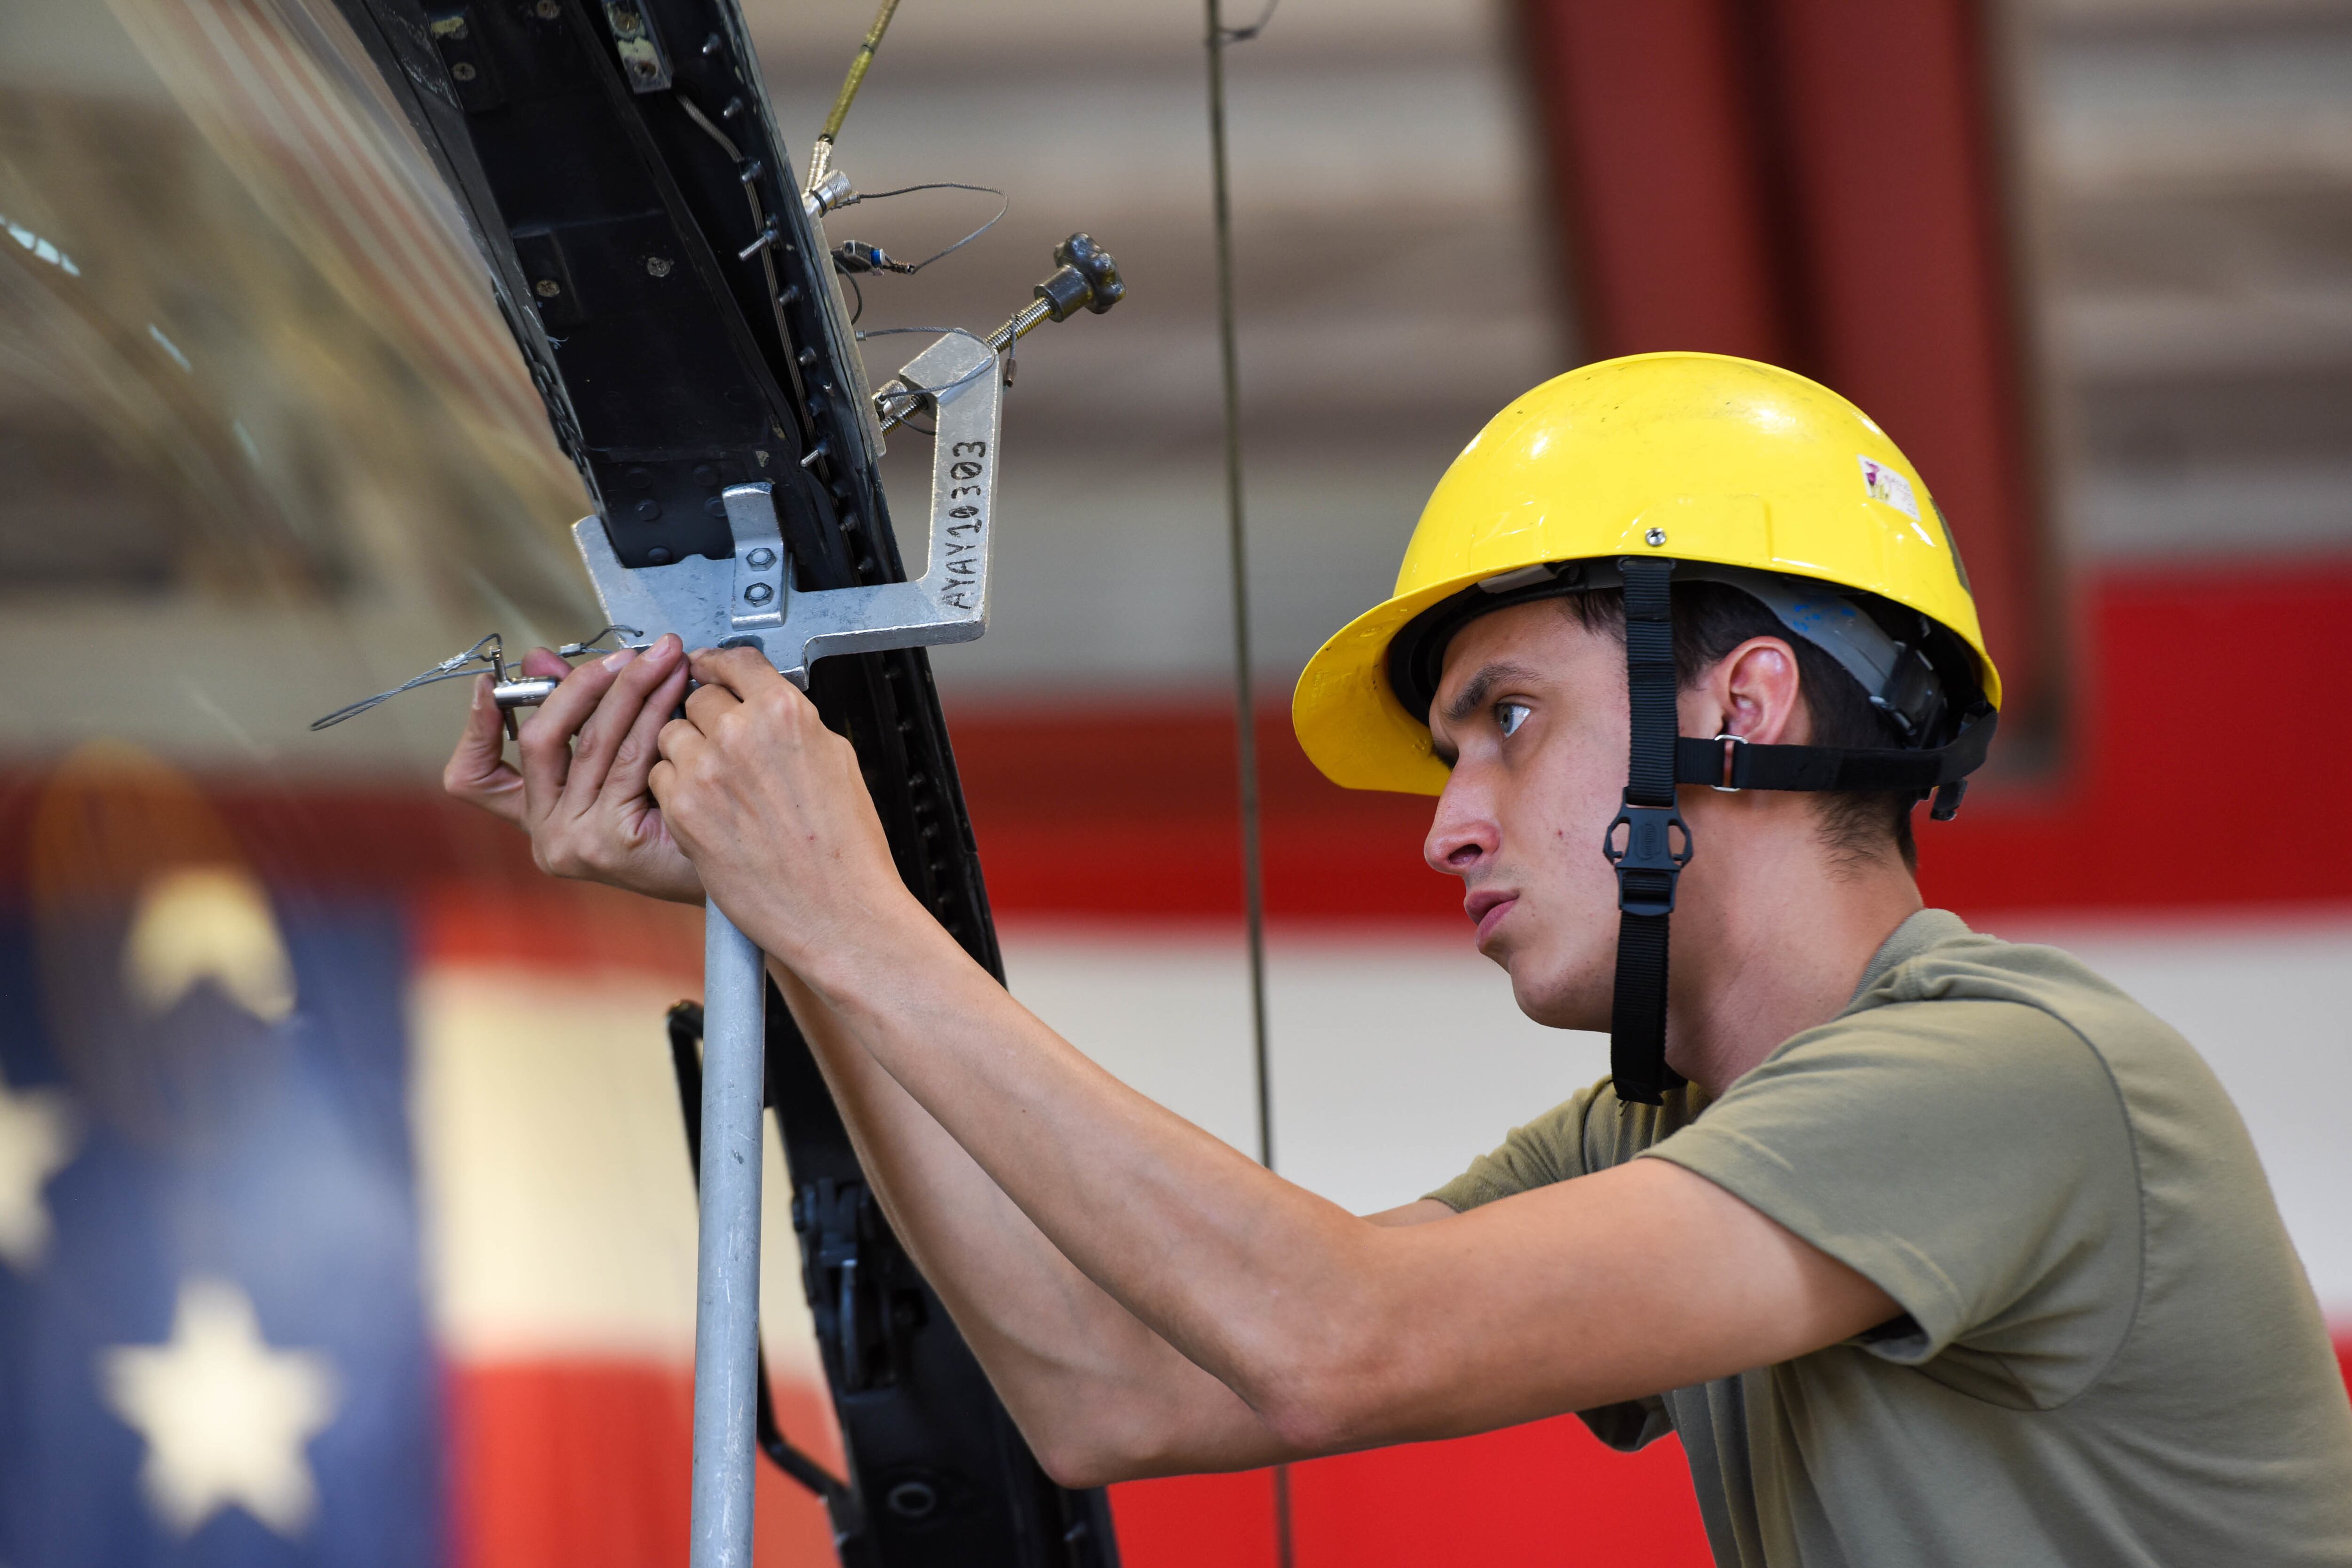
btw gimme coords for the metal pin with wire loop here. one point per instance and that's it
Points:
(486, 657)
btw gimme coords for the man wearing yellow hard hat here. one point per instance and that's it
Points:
(1931, 1248)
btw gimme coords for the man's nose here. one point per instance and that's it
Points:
(1462, 834)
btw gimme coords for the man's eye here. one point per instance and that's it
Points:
(1511, 715)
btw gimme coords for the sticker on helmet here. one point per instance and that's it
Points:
(1883, 483)
(1892, 487)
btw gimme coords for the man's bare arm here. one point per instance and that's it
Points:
(1336, 1333)
(1095, 1390)
(1099, 1395)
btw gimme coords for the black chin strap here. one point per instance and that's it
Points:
(1649, 844)
(1647, 857)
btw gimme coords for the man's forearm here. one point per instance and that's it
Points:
(1097, 1393)
(1336, 1333)
(1245, 1275)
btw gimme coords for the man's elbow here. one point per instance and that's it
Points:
(1295, 1397)
(1096, 1442)
(1315, 1415)
(1079, 1465)
(1090, 1441)
(1326, 1398)
(1080, 1457)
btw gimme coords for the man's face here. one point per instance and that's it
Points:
(1533, 713)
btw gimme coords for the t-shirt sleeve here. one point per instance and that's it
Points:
(1970, 1157)
(1549, 1149)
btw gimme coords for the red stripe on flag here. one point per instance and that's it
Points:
(1514, 1496)
(582, 1464)
(557, 927)
(572, 1465)
(2193, 734)
(1184, 1522)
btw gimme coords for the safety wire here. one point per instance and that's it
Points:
(1220, 37)
(852, 257)
(857, 255)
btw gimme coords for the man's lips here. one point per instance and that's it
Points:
(1487, 909)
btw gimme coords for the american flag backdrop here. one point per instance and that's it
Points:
(345, 1215)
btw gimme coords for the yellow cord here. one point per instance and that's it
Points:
(853, 81)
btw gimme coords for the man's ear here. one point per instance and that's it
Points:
(1753, 692)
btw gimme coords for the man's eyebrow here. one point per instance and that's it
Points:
(1473, 695)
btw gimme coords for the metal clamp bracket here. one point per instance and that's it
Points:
(748, 601)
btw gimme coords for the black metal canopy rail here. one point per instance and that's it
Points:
(619, 164)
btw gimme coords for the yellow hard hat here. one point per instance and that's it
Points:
(1745, 472)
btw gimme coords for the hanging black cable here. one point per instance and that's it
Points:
(1244, 705)
(1237, 546)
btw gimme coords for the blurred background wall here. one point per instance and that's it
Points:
(309, 1085)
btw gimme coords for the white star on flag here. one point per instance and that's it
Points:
(36, 1141)
(207, 923)
(225, 1417)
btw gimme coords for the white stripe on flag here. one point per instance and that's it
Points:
(559, 1207)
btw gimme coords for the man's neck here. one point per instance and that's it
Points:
(1776, 952)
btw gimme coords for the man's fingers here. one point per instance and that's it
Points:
(639, 749)
(706, 704)
(477, 772)
(676, 738)
(545, 664)
(547, 734)
(744, 671)
(616, 715)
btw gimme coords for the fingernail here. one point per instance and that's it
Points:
(615, 660)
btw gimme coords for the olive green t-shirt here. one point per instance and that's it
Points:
(2109, 1353)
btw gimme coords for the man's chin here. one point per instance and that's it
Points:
(1552, 1001)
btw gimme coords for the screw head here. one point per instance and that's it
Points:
(547, 287)
(1654, 537)
(462, 71)
(659, 266)
(546, 10)
(759, 592)
(760, 559)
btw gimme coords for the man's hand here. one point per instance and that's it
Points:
(580, 792)
(771, 808)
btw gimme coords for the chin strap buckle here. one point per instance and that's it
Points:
(1647, 860)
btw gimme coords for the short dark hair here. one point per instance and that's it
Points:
(1713, 618)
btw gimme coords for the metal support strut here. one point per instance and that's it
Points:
(727, 1263)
